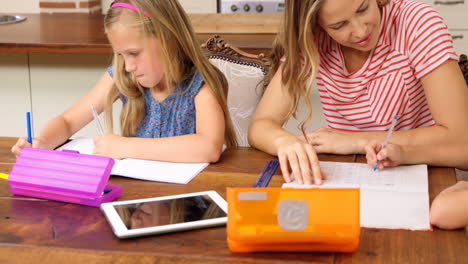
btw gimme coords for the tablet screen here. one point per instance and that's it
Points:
(169, 211)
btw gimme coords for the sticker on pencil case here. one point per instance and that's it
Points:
(266, 174)
(252, 196)
(293, 215)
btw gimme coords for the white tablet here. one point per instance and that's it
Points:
(165, 214)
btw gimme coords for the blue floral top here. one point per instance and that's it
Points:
(175, 115)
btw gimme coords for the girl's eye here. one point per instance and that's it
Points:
(134, 54)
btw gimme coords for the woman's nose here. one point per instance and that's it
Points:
(358, 30)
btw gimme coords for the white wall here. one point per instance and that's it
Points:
(19, 6)
(32, 6)
(15, 99)
(105, 4)
(190, 6)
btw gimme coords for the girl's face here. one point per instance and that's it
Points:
(151, 214)
(351, 23)
(141, 55)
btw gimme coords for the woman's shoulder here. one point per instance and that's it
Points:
(409, 21)
(410, 12)
(403, 5)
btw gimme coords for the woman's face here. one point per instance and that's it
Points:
(142, 56)
(351, 23)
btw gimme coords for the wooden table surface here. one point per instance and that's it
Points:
(34, 231)
(83, 33)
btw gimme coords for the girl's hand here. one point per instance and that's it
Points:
(299, 159)
(23, 142)
(390, 156)
(332, 141)
(109, 145)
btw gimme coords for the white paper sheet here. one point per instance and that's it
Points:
(149, 170)
(396, 198)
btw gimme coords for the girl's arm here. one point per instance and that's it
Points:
(266, 133)
(203, 146)
(62, 127)
(447, 97)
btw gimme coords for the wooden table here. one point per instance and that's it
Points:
(84, 33)
(34, 231)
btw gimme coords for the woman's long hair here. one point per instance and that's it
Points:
(296, 44)
(296, 39)
(182, 56)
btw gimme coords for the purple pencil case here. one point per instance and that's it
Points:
(65, 175)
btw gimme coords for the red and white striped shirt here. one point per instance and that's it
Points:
(413, 41)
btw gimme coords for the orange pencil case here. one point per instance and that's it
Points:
(295, 220)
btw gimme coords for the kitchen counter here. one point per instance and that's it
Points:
(84, 34)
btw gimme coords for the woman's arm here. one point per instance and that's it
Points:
(449, 210)
(59, 129)
(203, 146)
(447, 97)
(451, 155)
(266, 133)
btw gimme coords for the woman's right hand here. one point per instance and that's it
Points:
(299, 160)
(22, 143)
(390, 156)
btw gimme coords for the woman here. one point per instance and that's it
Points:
(371, 59)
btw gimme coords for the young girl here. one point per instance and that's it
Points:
(449, 210)
(371, 60)
(174, 100)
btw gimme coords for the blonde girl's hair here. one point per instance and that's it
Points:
(297, 38)
(181, 53)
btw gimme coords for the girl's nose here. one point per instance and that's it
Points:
(130, 66)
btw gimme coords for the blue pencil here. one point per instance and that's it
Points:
(28, 123)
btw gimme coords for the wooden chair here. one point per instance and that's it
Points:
(244, 73)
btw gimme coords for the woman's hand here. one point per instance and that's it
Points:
(332, 141)
(299, 160)
(109, 145)
(390, 156)
(23, 142)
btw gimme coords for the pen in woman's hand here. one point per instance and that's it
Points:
(387, 138)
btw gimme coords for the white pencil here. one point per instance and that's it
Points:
(96, 119)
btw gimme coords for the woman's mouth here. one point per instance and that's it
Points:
(365, 41)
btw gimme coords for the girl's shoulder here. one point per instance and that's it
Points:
(110, 70)
(192, 84)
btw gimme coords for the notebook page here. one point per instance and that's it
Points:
(83, 145)
(346, 175)
(149, 170)
(387, 209)
(160, 171)
(391, 198)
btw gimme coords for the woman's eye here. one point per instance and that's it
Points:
(364, 9)
(337, 27)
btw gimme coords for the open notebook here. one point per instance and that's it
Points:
(171, 172)
(396, 198)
